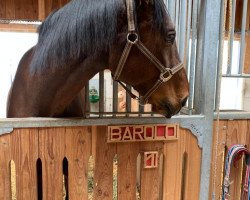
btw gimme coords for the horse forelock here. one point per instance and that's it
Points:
(80, 29)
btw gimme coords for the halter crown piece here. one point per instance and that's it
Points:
(133, 40)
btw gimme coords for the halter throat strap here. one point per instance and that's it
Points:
(133, 40)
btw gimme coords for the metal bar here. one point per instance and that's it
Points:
(229, 68)
(101, 92)
(233, 115)
(141, 110)
(128, 101)
(87, 103)
(59, 122)
(177, 15)
(193, 56)
(220, 57)
(188, 35)
(182, 29)
(236, 75)
(207, 55)
(120, 113)
(243, 37)
(171, 8)
(115, 97)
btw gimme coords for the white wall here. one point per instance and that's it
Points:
(12, 46)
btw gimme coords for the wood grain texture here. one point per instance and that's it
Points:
(193, 171)
(41, 10)
(24, 150)
(3, 9)
(103, 172)
(77, 151)
(51, 5)
(51, 152)
(127, 168)
(150, 178)
(4, 167)
(247, 52)
(236, 134)
(173, 158)
(220, 159)
(18, 28)
(10, 9)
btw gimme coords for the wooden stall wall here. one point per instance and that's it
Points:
(93, 163)
(231, 132)
(29, 9)
(177, 176)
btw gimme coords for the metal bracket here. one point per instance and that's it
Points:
(4, 131)
(197, 128)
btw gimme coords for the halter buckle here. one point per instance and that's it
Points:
(166, 75)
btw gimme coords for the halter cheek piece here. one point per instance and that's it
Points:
(133, 40)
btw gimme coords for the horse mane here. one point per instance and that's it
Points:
(80, 29)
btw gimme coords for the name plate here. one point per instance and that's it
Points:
(140, 133)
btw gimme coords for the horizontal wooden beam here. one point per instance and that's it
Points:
(18, 28)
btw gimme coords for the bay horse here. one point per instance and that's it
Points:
(134, 39)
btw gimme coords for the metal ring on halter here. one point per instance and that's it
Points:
(132, 38)
(166, 76)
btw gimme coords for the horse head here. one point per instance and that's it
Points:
(146, 54)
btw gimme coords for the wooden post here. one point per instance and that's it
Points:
(41, 10)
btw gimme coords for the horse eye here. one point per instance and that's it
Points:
(171, 36)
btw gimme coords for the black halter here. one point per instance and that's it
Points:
(166, 73)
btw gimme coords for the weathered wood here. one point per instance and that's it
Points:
(173, 172)
(218, 178)
(103, 172)
(51, 152)
(150, 178)
(24, 150)
(77, 151)
(5, 167)
(127, 168)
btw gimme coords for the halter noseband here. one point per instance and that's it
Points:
(133, 39)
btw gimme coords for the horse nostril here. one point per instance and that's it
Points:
(184, 101)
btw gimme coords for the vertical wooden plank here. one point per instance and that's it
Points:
(10, 9)
(3, 9)
(220, 159)
(150, 178)
(192, 182)
(127, 167)
(103, 172)
(41, 9)
(173, 158)
(51, 152)
(24, 150)
(247, 57)
(78, 147)
(248, 134)
(4, 167)
(236, 134)
(50, 6)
